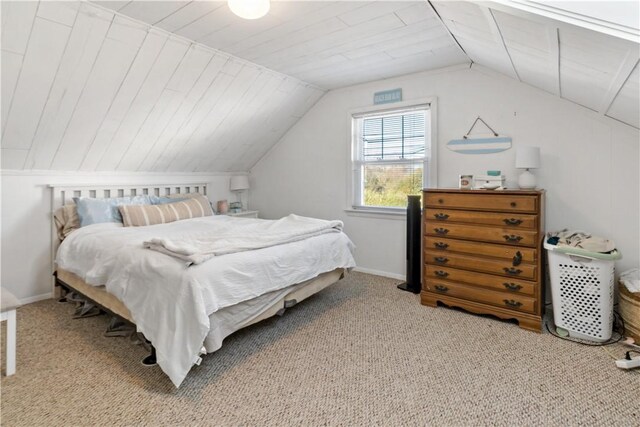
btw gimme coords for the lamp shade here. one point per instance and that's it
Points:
(528, 158)
(239, 182)
(249, 9)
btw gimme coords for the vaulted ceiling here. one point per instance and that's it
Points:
(188, 86)
(86, 89)
(592, 69)
(327, 43)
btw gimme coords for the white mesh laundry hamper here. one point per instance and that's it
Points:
(582, 291)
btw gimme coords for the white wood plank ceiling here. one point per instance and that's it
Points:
(188, 86)
(592, 69)
(327, 43)
(86, 89)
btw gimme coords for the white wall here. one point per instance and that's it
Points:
(590, 163)
(26, 220)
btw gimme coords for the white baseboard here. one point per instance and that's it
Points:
(379, 273)
(36, 298)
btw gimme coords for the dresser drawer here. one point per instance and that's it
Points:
(507, 219)
(512, 253)
(483, 233)
(483, 202)
(486, 265)
(501, 299)
(471, 278)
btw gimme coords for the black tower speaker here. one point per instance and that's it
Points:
(413, 246)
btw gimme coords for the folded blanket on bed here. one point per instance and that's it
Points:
(198, 248)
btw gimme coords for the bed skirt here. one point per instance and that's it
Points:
(294, 294)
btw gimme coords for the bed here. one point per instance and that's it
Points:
(186, 311)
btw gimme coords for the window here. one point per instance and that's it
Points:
(391, 151)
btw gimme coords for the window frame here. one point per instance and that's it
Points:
(429, 179)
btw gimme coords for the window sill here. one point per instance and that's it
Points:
(400, 214)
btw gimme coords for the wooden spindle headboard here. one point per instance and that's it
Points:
(64, 194)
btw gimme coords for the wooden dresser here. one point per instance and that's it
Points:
(483, 252)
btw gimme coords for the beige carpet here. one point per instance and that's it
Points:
(359, 353)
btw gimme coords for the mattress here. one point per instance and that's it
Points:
(172, 303)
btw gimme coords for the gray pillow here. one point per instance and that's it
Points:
(95, 211)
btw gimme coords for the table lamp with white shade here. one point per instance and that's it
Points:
(238, 184)
(527, 158)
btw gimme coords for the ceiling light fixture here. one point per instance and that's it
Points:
(249, 9)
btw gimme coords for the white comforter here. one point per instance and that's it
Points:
(171, 302)
(218, 239)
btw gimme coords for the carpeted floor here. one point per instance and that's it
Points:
(359, 353)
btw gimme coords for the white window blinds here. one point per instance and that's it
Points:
(390, 156)
(393, 137)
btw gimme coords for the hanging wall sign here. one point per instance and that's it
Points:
(493, 143)
(387, 96)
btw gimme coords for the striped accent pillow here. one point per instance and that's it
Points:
(139, 215)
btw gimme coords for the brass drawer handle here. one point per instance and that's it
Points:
(512, 221)
(513, 204)
(441, 273)
(441, 288)
(441, 259)
(512, 238)
(517, 259)
(512, 286)
(441, 230)
(441, 216)
(512, 271)
(512, 303)
(440, 200)
(441, 245)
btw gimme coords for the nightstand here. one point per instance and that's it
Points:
(244, 214)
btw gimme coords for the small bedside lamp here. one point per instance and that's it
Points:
(527, 158)
(238, 184)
